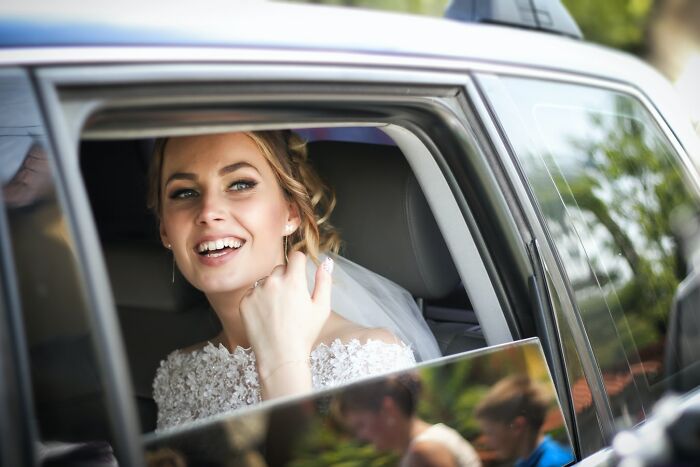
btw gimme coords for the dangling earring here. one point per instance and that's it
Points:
(172, 278)
(286, 260)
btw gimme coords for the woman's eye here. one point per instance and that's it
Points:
(183, 193)
(242, 185)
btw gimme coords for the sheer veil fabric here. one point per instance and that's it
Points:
(373, 301)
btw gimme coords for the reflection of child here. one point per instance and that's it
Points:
(511, 417)
(384, 413)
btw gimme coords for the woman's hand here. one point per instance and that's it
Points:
(283, 321)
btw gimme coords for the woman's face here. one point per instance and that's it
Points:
(223, 212)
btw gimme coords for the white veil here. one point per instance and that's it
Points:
(370, 300)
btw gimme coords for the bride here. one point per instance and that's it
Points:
(246, 219)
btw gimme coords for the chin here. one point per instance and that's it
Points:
(215, 285)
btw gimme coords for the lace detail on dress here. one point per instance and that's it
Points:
(212, 380)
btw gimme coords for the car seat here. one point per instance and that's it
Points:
(386, 225)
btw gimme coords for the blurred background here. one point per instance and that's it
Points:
(664, 33)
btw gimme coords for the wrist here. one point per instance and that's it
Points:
(268, 372)
(268, 360)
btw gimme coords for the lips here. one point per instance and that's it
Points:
(218, 247)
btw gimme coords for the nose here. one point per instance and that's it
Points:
(211, 208)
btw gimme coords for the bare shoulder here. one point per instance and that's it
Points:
(429, 453)
(345, 330)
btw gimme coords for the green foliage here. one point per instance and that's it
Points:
(616, 23)
(419, 7)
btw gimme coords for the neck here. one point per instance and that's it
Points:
(226, 307)
(416, 426)
(528, 444)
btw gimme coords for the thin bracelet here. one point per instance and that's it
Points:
(288, 362)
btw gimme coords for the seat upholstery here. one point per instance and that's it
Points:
(387, 226)
(383, 218)
(156, 314)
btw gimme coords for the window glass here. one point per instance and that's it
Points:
(68, 396)
(491, 407)
(610, 187)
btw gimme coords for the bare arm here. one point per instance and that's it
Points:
(429, 454)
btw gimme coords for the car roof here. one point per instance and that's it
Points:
(260, 24)
(216, 31)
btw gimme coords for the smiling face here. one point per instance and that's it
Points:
(223, 212)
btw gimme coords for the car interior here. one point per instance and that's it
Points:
(384, 220)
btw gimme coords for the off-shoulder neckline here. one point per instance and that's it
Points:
(335, 342)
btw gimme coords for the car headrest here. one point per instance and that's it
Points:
(141, 274)
(384, 220)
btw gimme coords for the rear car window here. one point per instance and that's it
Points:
(613, 192)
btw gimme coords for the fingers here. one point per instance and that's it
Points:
(296, 268)
(324, 281)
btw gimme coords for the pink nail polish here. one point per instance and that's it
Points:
(327, 265)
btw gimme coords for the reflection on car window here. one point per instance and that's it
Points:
(68, 397)
(487, 407)
(610, 186)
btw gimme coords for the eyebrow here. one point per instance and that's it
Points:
(223, 171)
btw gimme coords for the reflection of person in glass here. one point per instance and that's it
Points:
(511, 416)
(383, 412)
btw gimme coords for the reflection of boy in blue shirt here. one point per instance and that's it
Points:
(548, 453)
(511, 416)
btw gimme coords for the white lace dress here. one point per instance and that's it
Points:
(212, 380)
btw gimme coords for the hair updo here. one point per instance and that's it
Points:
(286, 153)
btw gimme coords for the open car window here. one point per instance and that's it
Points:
(386, 226)
(493, 406)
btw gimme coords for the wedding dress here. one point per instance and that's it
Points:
(193, 385)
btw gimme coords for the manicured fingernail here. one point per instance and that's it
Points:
(327, 265)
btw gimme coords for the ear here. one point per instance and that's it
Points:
(293, 219)
(389, 407)
(164, 236)
(519, 423)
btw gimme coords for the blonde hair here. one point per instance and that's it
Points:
(286, 153)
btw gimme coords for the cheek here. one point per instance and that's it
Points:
(264, 219)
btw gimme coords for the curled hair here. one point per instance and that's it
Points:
(515, 396)
(404, 389)
(286, 153)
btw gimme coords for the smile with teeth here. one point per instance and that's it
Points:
(214, 248)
